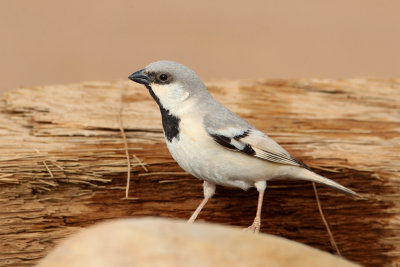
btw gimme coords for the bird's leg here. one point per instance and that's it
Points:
(255, 227)
(209, 190)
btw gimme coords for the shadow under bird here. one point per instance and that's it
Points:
(214, 144)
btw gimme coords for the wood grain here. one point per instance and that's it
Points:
(63, 164)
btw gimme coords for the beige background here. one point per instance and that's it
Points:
(48, 42)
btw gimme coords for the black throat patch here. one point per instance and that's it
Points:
(170, 122)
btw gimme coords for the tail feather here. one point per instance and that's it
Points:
(313, 177)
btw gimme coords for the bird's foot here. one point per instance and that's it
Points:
(255, 227)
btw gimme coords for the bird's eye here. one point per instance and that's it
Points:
(163, 77)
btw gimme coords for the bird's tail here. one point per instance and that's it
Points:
(313, 177)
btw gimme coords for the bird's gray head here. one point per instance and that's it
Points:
(170, 83)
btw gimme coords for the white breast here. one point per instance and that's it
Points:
(197, 153)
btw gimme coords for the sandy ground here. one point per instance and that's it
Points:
(52, 42)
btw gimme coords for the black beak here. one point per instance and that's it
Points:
(140, 77)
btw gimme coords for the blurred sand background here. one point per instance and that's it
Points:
(53, 42)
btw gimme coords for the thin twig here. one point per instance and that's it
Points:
(141, 163)
(48, 183)
(131, 198)
(45, 164)
(57, 165)
(43, 188)
(328, 229)
(48, 169)
(121, 128)
(161, 173)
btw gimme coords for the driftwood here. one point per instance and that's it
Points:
(63, 164)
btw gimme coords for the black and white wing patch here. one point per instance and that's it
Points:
(233, 143)
(255, 143)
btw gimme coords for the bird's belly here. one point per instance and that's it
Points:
(201, 156)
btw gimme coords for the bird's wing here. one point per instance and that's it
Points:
(234, 133)
(242, 137)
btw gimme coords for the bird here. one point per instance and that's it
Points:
(214, 144)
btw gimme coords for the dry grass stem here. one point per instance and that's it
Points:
(121, 128)
(328, 229)
(140, 163)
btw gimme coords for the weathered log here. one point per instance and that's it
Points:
(63, 164)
